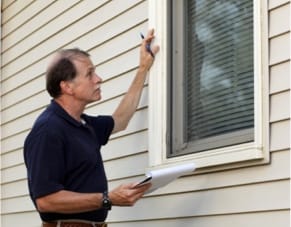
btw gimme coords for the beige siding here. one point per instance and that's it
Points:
(237, 220)
(109, 30)
(211, 202)
(223, 194)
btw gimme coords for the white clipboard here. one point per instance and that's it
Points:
(161, 177)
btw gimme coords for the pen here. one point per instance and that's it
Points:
(148, 46)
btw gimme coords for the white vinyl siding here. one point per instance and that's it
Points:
(280, 47)
(258, 195)
(222, 194)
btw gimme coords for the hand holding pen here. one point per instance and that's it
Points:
(147, 51)
(148, 46)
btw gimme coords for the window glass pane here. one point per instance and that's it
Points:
(218, 72)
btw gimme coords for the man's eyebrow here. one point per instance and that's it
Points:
(91, 69)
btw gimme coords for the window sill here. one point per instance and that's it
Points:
(213, 160)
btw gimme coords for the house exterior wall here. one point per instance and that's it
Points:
(33, 30)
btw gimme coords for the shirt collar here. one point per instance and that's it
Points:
(54, 106)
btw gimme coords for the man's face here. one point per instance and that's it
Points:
(86, 85)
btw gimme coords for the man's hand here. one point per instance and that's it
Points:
(147, 52)
(127, 194)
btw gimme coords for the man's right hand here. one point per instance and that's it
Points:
(127, 194)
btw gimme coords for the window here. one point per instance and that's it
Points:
(212, 74)
(208, 101)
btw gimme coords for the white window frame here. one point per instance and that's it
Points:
(256, 152)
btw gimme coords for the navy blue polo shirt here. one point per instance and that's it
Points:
(63, 154)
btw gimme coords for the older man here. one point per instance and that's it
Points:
(66, 176)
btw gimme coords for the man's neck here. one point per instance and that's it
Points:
(73, 108)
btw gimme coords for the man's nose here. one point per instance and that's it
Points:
(97, 78)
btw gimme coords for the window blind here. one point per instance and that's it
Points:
(218, 79)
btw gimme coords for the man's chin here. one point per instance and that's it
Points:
(96, 99)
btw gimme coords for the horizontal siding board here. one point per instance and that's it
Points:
(107, 106)
(58, 26)
(280, 77)
(117, 86)
(6, 4)
(15, 189)
(29, 102)
(121, 23)
(28, 10)
(18, 123)
(277, 3)
(12, 8)
(63, 38)
(278, 25)
(280, 49)
(118, 45)
(24, 219)
(280, 135)
(24, 76)
(280, 106)
(138, 122)
(23, 204)
(265, 219)
(14, 173)
(257, 174)
(33, 30)
(120, 168)
(20, 95)
(12, 158)
(247, 198)
(118, 65)
(125, 146)
(17, 126)
(14, 142)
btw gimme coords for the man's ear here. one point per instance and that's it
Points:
(66, 87)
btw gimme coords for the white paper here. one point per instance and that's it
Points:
(161, 177)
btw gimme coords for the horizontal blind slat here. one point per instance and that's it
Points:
(219, 68)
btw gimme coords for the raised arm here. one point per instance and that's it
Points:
(129, 103)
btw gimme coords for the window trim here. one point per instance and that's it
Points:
(159, 133)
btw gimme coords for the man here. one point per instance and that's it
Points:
(66, 177)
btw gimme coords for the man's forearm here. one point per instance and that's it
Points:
(129, 103)
(69, 202)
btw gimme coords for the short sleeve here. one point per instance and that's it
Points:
(44, 158)
(102, 125)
